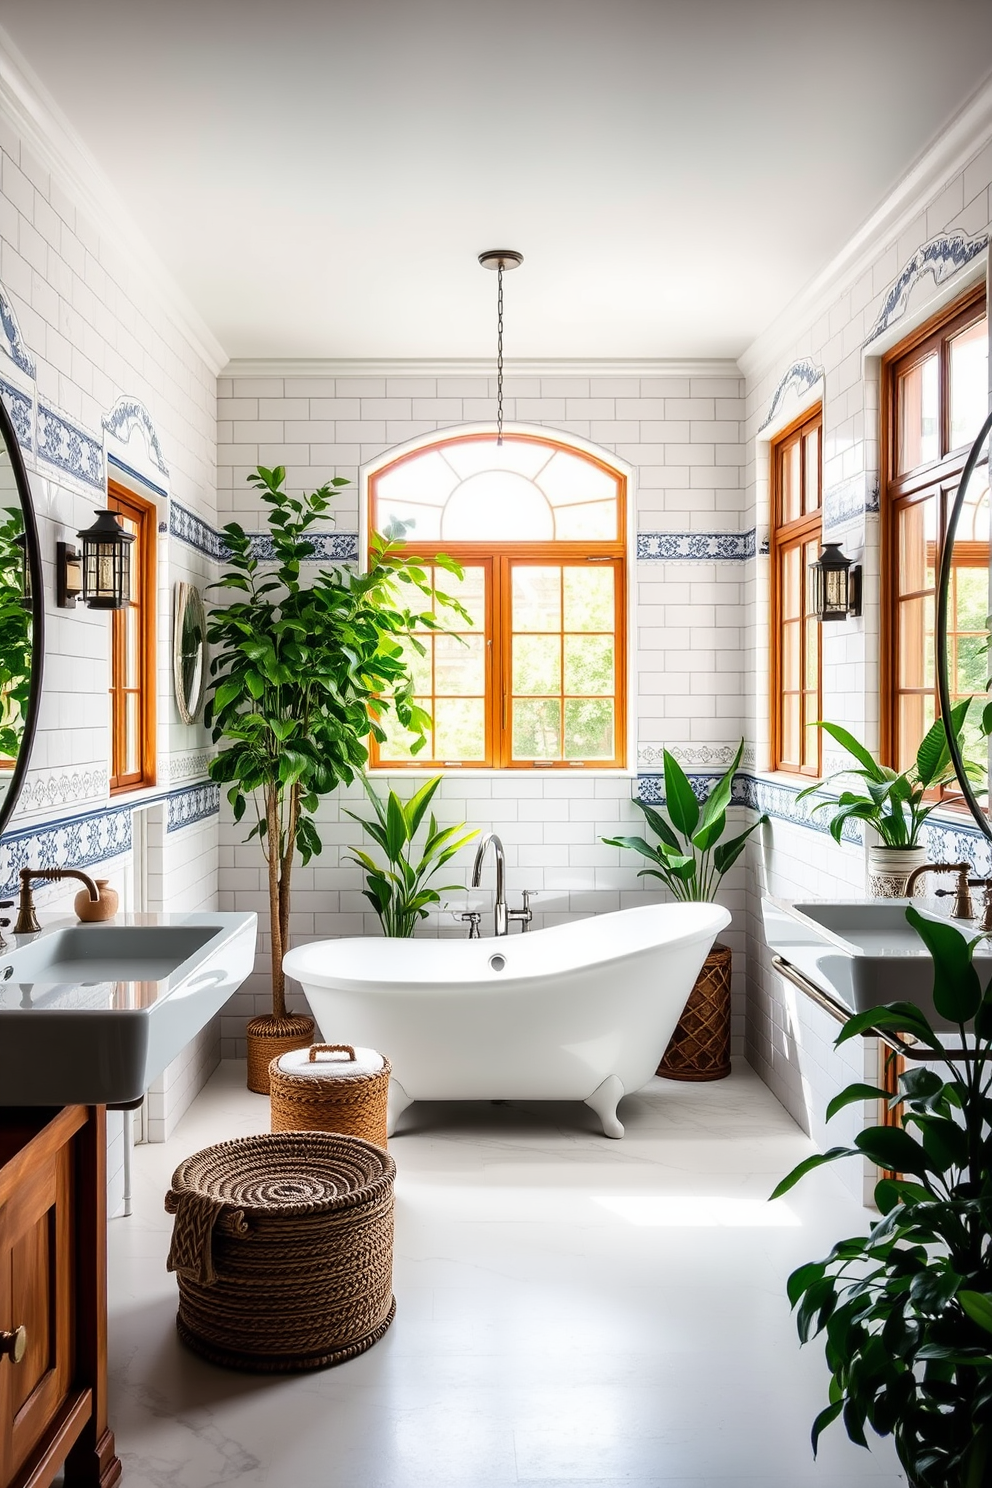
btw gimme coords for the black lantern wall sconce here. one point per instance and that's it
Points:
(835, 585)
(101, 573)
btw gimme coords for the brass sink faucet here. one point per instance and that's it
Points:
(27, 920)
(963, 908)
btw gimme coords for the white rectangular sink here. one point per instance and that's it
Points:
(91, 1014)
(863, 953)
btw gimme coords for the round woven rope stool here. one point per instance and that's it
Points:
(283, 1249)
(268, 1037)
(331, 1087)
(699, 1048)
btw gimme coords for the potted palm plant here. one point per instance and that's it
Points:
(895, 803)
(301, 675)
(907, 1309)
(401, 892)
(690, 858)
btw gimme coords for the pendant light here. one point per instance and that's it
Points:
(106, 563)
(500, 259)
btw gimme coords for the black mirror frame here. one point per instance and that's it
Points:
(943, 599)
(16, 780)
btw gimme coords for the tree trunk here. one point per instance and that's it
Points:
(275, 905)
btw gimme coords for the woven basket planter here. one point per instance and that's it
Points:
(699, 1048)
(283, 1250)
(336, 1089)
(268, 1037)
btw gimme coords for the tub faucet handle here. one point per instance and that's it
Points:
(524, 915)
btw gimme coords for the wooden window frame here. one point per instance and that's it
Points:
(938, 479)
(785, 536)
(499, 559)
(143, 556)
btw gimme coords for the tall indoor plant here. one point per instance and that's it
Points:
(895, 803)
(690, 858)
(300, 676)
(401, 891)
(907, 1309)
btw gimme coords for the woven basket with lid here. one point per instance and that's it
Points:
(283, 1250)
(331, 1087)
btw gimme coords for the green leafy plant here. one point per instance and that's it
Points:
(302, 675)
(15, 636)
(895, 803)
(689, 857)
(400, 893)
(906, 1311)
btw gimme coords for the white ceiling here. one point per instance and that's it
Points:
(319, 175)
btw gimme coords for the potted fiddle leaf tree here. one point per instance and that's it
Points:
(690, 858)
(301, 677)
(906, 1310)
(400, 890)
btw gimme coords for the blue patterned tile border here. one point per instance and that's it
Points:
(940, 258)
(122, 418)
(192, 530)
(695, 547)
(801, 376)
(75, 842)
(194, 803)
(19, 406)
(16, 349)
(849, 500)
(328, 547)
(70, 448)
(188, 528)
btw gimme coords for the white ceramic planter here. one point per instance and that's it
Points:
(889, 869)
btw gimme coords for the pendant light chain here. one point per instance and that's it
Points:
(499, 353)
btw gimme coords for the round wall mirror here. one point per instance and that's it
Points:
(22, 620)
(189, 652)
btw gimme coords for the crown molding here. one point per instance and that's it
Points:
(40, 123)
(958, 142)
(477, 367)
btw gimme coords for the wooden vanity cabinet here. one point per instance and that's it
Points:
(53, 1299)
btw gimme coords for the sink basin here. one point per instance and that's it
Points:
(91, 1014)
(862, 952)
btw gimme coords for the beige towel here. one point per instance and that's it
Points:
(191, 1253)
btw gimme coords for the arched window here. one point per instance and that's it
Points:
(538, 526)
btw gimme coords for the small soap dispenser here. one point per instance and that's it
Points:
(104, 908)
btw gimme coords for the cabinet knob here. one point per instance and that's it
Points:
(14, 1344)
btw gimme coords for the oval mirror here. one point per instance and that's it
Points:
(189, 652)
(22, 620)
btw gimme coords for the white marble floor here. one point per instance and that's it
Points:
(571, 1311)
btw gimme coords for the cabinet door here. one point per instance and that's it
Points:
(36, 1287)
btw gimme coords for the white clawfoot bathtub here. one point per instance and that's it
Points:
(582, 1011)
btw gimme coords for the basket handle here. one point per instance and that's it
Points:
(316, 1049)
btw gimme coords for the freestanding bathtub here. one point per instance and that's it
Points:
(582, 1011)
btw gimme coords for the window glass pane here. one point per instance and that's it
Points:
(536, 598)
(916, 714)
(519, 456)
(589, 728)
(421, 523)
(790, 728)
(536, 728)
(969, 377)
(469, 591)
(459, 665)
(460, 728)
(915, 643)
(567, 478)
(812, 654)
(919, 415)
(792, 586)
(811, 741)
(973, 524)
(399, 740)
(132, 734)
(811, 457)
(131, 647)
(417, 666)
(790, 656)
(536, 664)
(596, 520)
(589, 600)
(916, 546)
(791, 487)
(588, 665)
(498, 505)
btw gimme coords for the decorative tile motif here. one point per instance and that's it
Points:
(44, 789)
(953, 842)
(76, 842)
(192, 804)
(121, 420)
(192, 530)
(15, 347)
(696, 547)
(801, 376)
(940, 258)
(188, 528)
(189, 766)
(328, 547)
(19, 405)
(694, 756)
(70, 448)
(849, 500)
(749, 790)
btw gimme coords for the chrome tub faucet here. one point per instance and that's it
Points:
(502, 915)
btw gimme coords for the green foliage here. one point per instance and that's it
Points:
(400, 893)
(302, 674)
(895, 804)
(689, 857)
(15, 636)
(906, 1311)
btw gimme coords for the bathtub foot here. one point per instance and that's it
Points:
(604, 1101)
(396, 1103)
